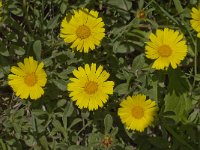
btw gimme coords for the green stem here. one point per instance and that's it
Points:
(26, 16)
(195, 61)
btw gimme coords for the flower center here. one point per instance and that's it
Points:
(141, 14)
(30, 79)
(91, 87)
(107, 141)
(137, 112)
(83, 32)
(164, 51)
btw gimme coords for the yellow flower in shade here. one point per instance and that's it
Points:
(89, 88)
(84, 30)
(195, 21)
(137, 113)
(28, 79)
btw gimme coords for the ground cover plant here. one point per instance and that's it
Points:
(103, 74)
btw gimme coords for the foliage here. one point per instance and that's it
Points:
(31, 28)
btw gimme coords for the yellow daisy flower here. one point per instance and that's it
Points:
(28, 79)
(195, 21)
(137, 113)
(167, 47)
(89, 88)
(84, 29)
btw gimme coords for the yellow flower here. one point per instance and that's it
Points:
(167, 47)
(137, 113)
(28, 79)
(84, 29)
(90, 89)
(195, 21)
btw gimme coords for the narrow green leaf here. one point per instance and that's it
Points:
(108, 123)
(74, 122)
(37, 49)
(44, 142)
(63, 7)
(53, 22)
(61, 102)
(2, 145)
(67, 113)
(179, 8)
(165, 12)
(178, 137)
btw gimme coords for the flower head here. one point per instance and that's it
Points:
(28, 79)
(141, 14)
(195, 21)
(89, 88)
(84, 29)
(167, 47)
(137, 113)
(107, 141)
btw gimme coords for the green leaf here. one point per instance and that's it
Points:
(69, 109)
(37, 49)
(61, 84)
(61, 146)
(141, 4)
(94, 139)
(74, 122)
(19, 51)
(179, 7)
(114, 131)
(2, 145)
(108, 123)
(61, 102)
(179, 104)
(122, 4)
(53, 22)
(123, 47)
(44, 142)
(177, 82)
(63, 7)
(159, 142)
(3, 50)
(67, 113)
(138, 62)
(121, 89)
(60, 128)
(77, 147)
